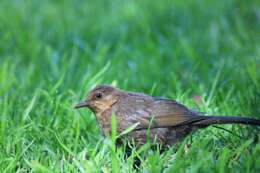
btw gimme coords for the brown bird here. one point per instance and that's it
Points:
(167, 120)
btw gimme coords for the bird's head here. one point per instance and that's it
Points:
(100, 98)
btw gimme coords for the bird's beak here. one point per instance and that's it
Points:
(81, 105)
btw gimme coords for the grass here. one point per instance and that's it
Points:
(52, 52)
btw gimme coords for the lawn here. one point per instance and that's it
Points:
(53, 52)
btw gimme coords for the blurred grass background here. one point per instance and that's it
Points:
(52, 52)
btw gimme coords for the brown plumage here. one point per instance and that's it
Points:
(167, 119)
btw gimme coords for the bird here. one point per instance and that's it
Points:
(166, 120)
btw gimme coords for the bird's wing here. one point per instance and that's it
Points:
(167, 112)
(154, 112)
(132, 108)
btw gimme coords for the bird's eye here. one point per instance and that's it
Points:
(99, 95)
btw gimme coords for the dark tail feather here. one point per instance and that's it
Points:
(226, 120)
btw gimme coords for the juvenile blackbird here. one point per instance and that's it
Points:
(167, 120)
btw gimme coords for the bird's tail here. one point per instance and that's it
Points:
(210, 120)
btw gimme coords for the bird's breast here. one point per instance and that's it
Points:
(104, 121)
